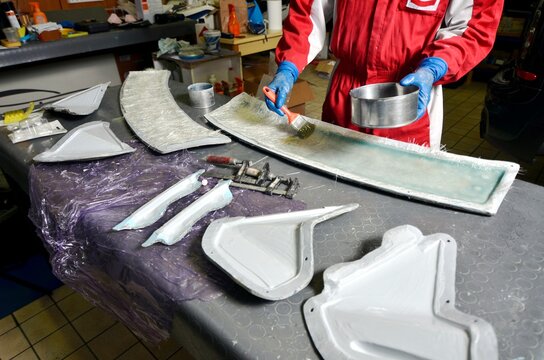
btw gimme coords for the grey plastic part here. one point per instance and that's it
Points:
(177, 227)
(153, 114)
(155, 208)
(409, 170)
(397, 302)
(82, 103)
(271, 256)
(92, 140)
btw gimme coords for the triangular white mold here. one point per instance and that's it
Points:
(92, 140)
(272, 255)
(82, 103)
(397, 302)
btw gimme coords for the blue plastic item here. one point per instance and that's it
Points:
(255, 21)
(430, 71)
(282, 84)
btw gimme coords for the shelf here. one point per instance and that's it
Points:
(38, 51)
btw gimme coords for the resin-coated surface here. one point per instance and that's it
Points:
(406, 169)
(151, 111)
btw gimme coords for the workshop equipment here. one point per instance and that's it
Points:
(245, 176)
(385, 105)
(296, 121)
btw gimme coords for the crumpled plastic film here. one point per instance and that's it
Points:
(75, 205)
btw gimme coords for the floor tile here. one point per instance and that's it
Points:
(43, 324)
(83, 353)
(93, 323)
(74, 305)
(458, 131)
(12, 343)
(181, 354)
(485, 153)
(33, 308)
(464, 147)
(105, 349)
(6, 324)
(61, 293)
(28, 354)
(58, 345)
(137, 352)
(165, 349)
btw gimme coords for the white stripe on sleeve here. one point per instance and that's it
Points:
(458, 14)
(321, 13)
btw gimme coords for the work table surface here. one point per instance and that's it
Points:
(499, 258)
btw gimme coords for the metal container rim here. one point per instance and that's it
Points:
(412, 90)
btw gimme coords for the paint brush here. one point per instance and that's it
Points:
(297, 122)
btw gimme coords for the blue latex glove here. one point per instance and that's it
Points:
(430, 71)
(282, 84)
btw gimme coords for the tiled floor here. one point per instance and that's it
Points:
(461, 131)
(66, 326)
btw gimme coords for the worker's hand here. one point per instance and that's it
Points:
(282, 84)
(430, 71)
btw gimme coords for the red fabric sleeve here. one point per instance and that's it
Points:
(463, 52)
(303, 32)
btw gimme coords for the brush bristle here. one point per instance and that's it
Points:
(306, 130)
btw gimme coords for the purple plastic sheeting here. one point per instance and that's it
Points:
(74, 207)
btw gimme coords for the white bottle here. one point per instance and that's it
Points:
(13, 19)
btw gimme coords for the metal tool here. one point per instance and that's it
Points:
(245, 176)
(295, 120)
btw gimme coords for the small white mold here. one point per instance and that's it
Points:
(154, 209)
(177, 227)
(397, 302)
(271, 256)
(82, 103)
(92, 140)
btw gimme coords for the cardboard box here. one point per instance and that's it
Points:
(256, 71)
(300, 95)
(325, 67)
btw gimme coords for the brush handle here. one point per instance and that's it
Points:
(271, 95)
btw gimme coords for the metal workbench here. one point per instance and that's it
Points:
(499, 260)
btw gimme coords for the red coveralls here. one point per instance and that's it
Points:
(382, 41)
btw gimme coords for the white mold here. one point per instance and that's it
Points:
(271, 256)
(397, 302)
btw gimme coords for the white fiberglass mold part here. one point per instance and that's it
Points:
(397, 302)
(152, 113)
(82, 103)
(177, 227)
(410, 170)
(92, 140)
(154, 209)
(271, 256)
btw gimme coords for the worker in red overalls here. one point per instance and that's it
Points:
(424, 43)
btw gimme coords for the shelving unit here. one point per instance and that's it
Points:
(508, 41)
